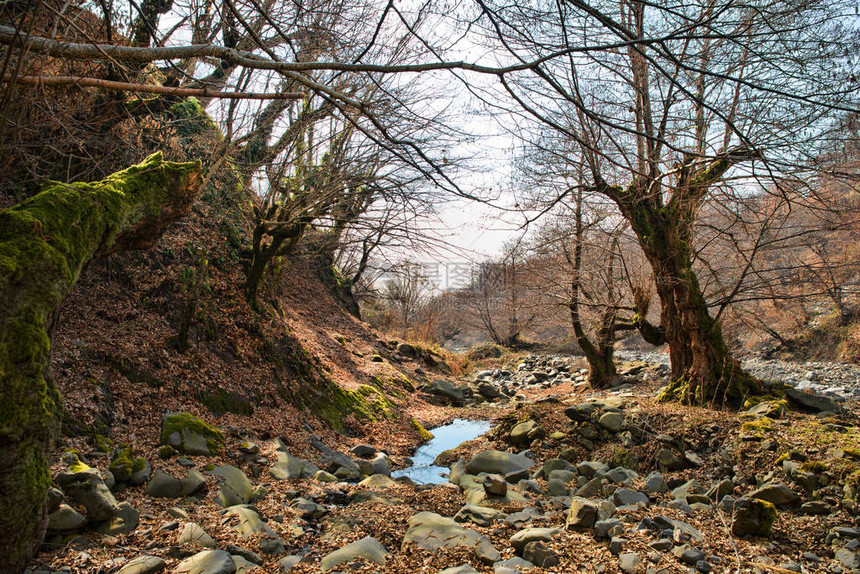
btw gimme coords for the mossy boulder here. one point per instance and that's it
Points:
(753, 517)
(124, 465)
(190, 435)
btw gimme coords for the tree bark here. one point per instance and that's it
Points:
(703, 369)
(44, 243)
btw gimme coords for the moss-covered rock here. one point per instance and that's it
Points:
(123, 464)
(222, 401)
(190, 435)
(753, 517)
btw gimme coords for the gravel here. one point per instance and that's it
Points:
(840, 381)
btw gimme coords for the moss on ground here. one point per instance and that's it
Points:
(222, 401)
(423, 433)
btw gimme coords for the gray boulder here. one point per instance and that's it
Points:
(448, 390)
(143, 565)
(480, 515)
(753, 517)
(190, 435)
(810, 402)
(368, 548)
(582, 513)
(91, 492)
(776, 493)
(431, 531)
(495, 461)
(207, 562)
(124, 522)
(236, 487)
(194, 534)
(523, 537)
(65, 519)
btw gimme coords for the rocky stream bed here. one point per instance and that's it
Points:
(568, 480)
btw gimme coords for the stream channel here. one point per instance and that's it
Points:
(449, 436)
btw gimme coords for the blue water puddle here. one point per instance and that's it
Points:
(449, 436)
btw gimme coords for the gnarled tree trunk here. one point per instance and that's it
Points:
(703, 369)
(44, 243)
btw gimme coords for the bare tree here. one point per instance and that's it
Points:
(662, 105)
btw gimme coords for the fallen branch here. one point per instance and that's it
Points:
(147, 88)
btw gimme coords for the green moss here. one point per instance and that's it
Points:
(813, 466)
(757, 428)
(851, 453)
(179, 422)
(423, 433)
(44, 244)
(758, 513)
(102, 443)
(166, 452)
(222, 401)
(72, 458)
(122, 463)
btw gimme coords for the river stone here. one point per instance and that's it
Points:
(377, 481)
(456, 472)
(495, 461)
(65, 518)
(552, 464)
(431, 531)
(590, 489)
(448, 390)
(194, 534)
(611, 421)
(665, 523)
(523, 537)
(604, 528)
(627, 497)
(753, 517)
(589, 468)
(124, 522)
(162, 485)
(655, 484)
(368, 548)
(461, 569)
(381, 465)
(243, 565)
(582, 513)
(776, 493)
(811, 402)
(236, 487)
(143, 565)
(207, 562)
(325, 476)
(308, 509)
(287, 467)
(190, 435)
(524, 433)
(480, 515)
(848, 558)
(489, 390)
(249, 522)
(629, 562)
(53, 499)
(540, 554)
(668, 459)
(94, 495)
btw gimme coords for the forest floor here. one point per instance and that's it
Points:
(808, 464)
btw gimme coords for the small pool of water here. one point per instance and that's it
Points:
(449, 436)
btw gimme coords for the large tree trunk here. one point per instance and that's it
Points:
(703, 369)
(44, 243)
